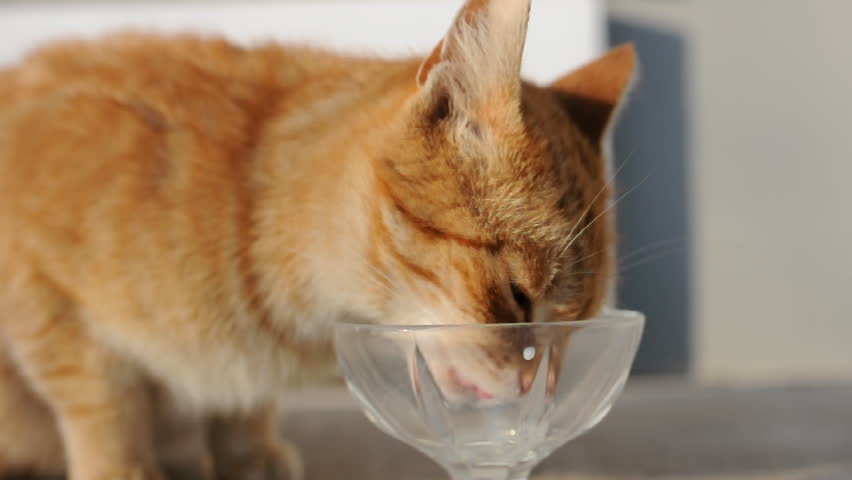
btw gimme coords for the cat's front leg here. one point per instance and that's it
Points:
(97, 399)
(249, 447)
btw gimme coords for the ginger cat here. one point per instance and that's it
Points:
(183, 220)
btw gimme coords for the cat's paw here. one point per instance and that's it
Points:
(125, 473)
(200, 469)
(277, 461)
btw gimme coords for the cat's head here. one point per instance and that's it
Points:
(494, 192)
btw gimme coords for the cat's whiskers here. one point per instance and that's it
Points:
(607, 209)
(580, 274)
(568, 238)
(558, 267)
(654, 255)
(650, 249)
(581, 259)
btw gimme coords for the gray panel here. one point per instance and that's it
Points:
(652, 221)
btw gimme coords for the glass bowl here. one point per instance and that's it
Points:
(489, 401)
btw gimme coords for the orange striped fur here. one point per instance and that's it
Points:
(183, 220)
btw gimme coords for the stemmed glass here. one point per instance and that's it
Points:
(489, 402)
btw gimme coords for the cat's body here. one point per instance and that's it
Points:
(182, 221)
(196, 183)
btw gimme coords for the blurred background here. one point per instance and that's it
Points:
(743, 118)
(738, 139)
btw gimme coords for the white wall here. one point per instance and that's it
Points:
(562, 33)
(771, 184)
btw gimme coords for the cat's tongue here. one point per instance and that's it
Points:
(458, 380)
(484, 395)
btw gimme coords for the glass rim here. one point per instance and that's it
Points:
(607, 318)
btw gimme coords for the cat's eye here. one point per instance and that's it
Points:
(523, 300)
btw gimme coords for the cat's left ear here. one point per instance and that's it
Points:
(478, 62)
(593, 94)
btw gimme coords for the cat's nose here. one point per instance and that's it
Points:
(523, 301)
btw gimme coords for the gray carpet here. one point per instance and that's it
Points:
(657, 430)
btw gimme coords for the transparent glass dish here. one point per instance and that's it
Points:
(489, 402)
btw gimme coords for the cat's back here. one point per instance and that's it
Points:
(131, 106)
(86, 88)
(128, 98)
(146, 63)
(109, 127)
(130, 156)
(124, 144)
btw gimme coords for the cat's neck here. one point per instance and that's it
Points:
(316, 193)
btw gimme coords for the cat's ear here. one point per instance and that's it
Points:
(593, 94)
(479, 59)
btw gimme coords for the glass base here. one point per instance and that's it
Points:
(520, 472)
